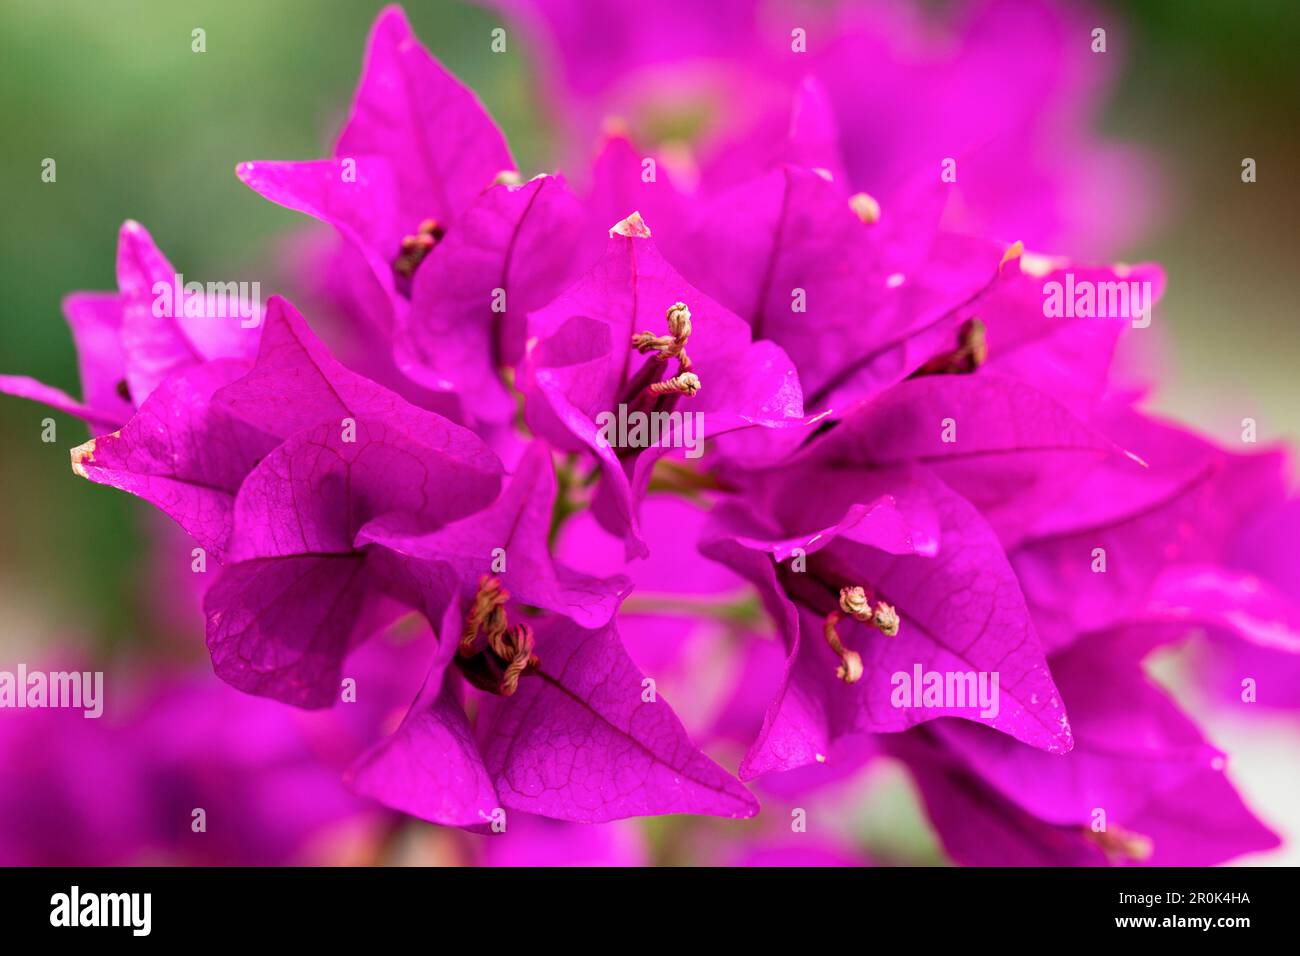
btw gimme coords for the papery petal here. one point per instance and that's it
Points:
(1241, 604)
(23, 386)
(1068, 357)
(295, 384)
(814, 133)
(620, 185)
(978, 827)
(878, 521)
(685, 610)
(787, 253)
(430, 766)
(1131, 744)
(442, 145)
(509, 539)
(96, 322)
(1009, 449)
(358, 197)
(280, 627)
(961, 610)
(1132, 522)
(578, 741)
(281, 620)
(1200, 823)
(160, 333)
(154, 345)
(511, 252)
(315, 491)
(1265, 545)
(182, 453)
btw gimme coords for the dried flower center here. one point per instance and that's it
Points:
(687, 383)
(493, 655)
(856, 603)
(666, 348)
(672, 345)
(416, 247)
(971, 352)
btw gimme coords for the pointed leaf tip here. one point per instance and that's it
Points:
(79, 455)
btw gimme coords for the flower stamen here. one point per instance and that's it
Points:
(856, 603)
(971, 352)
(672, 345)
(488, 613)
(506, 653)
(515, 647)
(850, 669)
(646, 385)
(687, 383)
(416, 247)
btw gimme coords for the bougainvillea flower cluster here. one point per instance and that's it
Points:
(770, 422)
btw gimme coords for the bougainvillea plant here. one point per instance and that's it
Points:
(794, 388)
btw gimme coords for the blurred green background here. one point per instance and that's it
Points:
(143, 128)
